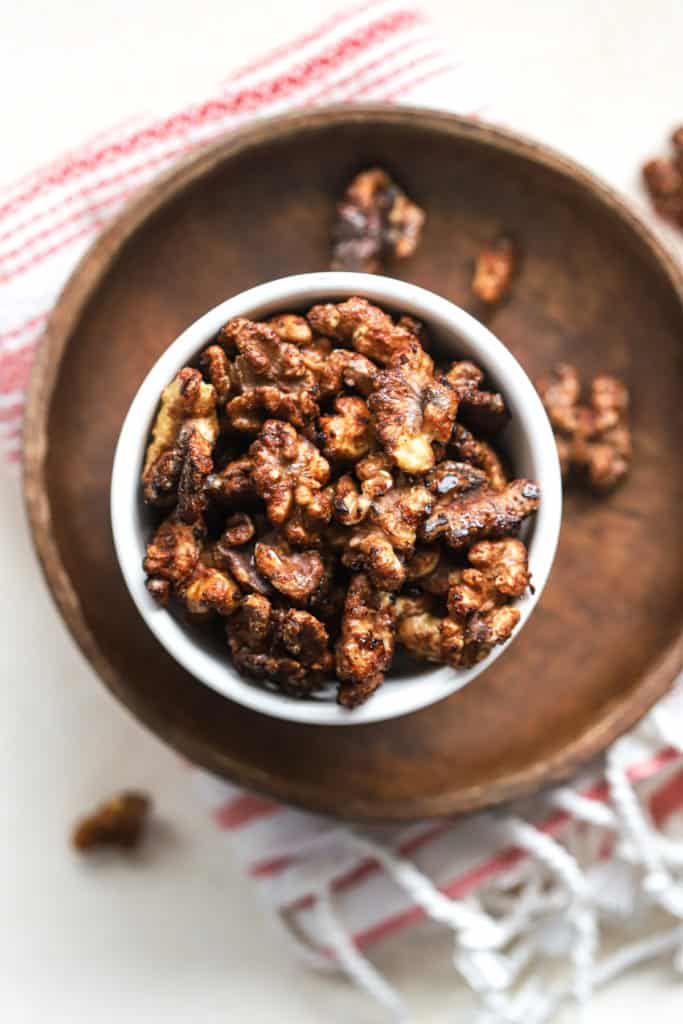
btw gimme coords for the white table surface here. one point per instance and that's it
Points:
(178, 934)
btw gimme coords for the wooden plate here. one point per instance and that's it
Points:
(595, 289)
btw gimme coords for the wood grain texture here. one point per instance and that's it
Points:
(595, 289)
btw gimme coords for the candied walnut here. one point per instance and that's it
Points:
(425, 635)
(501, 569)
(233, 485)
(209, 590)
(188, 405)
(315, 350)
(239, 529)
(173, 553)
(347, 435)
(344, 368)
(365, 327)
(288, 471)
(241, 564)
(350, 506)
(480, 454)
(292, 328)
(381, 544)
(664, 181)
(412, 409)
(496, 266)
(366, 647)
(296, 574)
(415, 327)
(271, 376)
(119, 821)
(454, 477)
(196, 465)
(423, 562)
(287, 647)
(216, 366)
(593, 440)
(484, 412)
(482, 513)
(369, 548)
(307, 524)
(375, 220)
(374, 473)
(480, 599)
(445, 575)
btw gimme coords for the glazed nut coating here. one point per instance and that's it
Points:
(329, 493)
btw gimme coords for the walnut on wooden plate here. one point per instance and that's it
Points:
(593, 439)
(330, 493)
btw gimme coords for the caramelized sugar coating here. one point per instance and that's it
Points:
(375, 221)
(593, 440)
(366, 647)
(359, 506)
(119, 821)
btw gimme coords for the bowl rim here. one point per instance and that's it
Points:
(294, 292)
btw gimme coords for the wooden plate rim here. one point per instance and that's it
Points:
(85, 278)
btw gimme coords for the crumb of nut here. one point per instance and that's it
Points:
(593, 439)
(496, 266)
(119, 821)
(315, 568)
(375, 220)
(663, 178)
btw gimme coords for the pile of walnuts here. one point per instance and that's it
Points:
(329, 492)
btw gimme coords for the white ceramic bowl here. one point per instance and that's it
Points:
(528, 440)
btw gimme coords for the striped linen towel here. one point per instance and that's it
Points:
(517, 888)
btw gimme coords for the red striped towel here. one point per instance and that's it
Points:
(515, 888)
